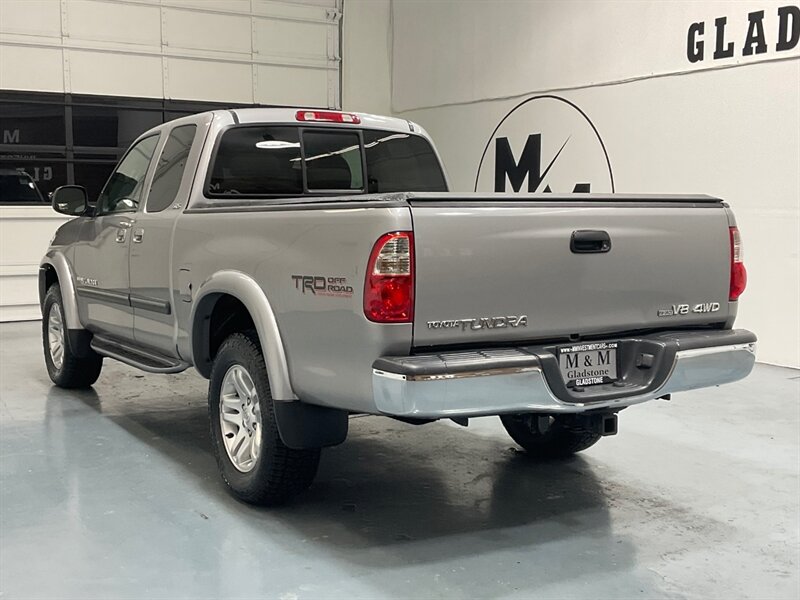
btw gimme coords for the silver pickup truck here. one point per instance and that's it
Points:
(312, 265)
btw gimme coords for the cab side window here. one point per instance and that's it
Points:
(170, 168)
(123, 190)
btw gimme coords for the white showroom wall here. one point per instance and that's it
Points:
(367, 44)
(227, 51)
(669, 122)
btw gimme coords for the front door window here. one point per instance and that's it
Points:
(123, 191)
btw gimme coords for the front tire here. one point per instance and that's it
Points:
(547, 437)
(253, 460)
(64, 366)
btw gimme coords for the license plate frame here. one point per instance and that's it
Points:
(589, 363)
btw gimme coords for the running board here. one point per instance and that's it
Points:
(145, 360)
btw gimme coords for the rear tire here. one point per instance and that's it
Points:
(254, 462)
(65, 368)
(544, 436)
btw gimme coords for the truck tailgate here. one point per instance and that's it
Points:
(483, 264)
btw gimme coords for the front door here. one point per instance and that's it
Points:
(101, 256)
(153, 293)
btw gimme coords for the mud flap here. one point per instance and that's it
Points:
(79, 340)
(303, 426)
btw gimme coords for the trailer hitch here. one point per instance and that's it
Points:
(602, 423)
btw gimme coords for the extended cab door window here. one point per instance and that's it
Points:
(257, 161)
(171, 166)
(123, 190)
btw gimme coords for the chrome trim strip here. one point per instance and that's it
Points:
(388, 375)
(460, 375)
(683, 354)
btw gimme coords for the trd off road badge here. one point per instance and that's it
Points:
(319, 285)
(545, 144)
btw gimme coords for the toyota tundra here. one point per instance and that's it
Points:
(313, 265)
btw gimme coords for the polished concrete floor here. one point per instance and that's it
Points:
(113, 493)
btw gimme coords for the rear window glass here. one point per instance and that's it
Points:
(400, 162)
(275, 161)
(333, 160)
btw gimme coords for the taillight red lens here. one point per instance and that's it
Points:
(389, 283)
(738, 272)
(327, 116)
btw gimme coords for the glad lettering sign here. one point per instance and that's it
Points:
(747, 38)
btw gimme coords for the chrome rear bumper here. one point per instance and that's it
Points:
(520, 380)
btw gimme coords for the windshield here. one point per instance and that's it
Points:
(18, 187)
(278, 161)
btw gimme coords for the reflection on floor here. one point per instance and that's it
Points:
(113, 492)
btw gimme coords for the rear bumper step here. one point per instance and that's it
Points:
(527, 379)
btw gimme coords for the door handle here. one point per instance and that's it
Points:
(587, 241)
(121, 234)
(138, 236)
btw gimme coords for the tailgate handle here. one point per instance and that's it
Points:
(587, 241)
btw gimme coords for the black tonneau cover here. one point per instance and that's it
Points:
(431, 198)
(572, 199)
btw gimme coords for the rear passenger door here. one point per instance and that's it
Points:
(153, 285)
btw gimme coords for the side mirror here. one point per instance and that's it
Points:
(70, 200)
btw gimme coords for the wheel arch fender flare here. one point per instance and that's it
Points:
(58, 262)
(245, 289)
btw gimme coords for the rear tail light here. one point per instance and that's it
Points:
(738, 272)
(389, 284)
(327, 116)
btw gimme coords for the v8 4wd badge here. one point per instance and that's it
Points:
(684, 309)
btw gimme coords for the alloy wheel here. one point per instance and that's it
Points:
(55, 336)
(240, 418)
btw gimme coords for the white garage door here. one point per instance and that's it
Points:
(217, 51)
(243, 51)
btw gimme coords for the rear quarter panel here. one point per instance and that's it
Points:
(329, 343)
